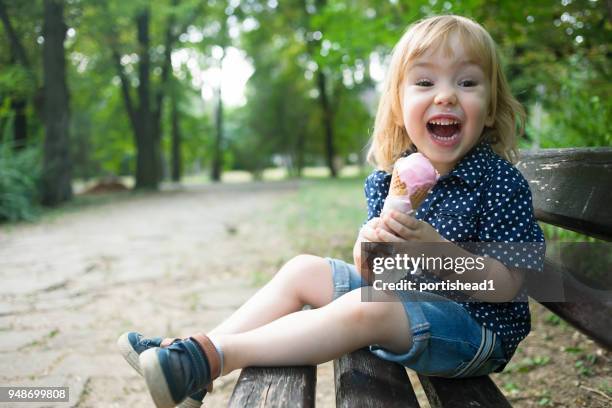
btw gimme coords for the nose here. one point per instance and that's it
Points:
(446, 96)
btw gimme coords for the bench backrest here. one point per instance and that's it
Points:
(572, 189)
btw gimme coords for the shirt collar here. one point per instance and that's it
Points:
(471, 167)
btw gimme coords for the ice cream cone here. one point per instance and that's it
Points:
(411, 180)
(397, 199)
(418, 196)
(397, 187)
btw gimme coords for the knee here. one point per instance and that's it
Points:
(362, 313)
(299, 267)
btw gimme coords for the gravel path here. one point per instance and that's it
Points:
(169, 263)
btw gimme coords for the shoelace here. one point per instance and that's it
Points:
(152, 342)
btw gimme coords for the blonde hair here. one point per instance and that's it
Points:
(390, 139)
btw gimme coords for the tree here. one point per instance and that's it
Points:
(177, 162)
(27, 86)
(57, 167)
(145, 115)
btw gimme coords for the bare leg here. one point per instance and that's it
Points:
(315, 336)
(305, 279)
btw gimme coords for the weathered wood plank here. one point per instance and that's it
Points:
(275, 387)
(465, 392)
(572, 188)
(590, 318)
(364, 380)
(587, 307)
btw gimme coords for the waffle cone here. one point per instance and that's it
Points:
(418, 196)
(397, 187)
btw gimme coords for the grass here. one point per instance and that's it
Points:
(271, 174)
(80, 202)
(324, 216)
(553, 233)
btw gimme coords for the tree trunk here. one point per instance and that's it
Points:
(18, 103)
(176, 141)
(20, 123)
(217, 162)
(57, 166)
(147, 171)
(300, 146)
(158, 103)
(328, 122)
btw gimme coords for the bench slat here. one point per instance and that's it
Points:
(460, 393)
(586, 308)
(590, 318)
(363, 380)
(275, 387)
(572, 188)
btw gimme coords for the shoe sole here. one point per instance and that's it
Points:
(156, 381)
(128, 352)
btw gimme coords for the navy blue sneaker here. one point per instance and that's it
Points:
(172, 373)
(132, 344)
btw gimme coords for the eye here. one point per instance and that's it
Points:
(468, 83)
(424, 82)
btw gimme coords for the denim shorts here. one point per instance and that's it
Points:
(446, 340)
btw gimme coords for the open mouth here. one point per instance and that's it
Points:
(444, 130)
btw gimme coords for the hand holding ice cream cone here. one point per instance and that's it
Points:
(412, 179)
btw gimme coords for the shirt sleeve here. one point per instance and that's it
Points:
(376, 189)
(508, 218)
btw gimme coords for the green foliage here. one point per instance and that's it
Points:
(554, 320)
(583, 119)
(527, 364)
(511, 387)
(553, 233)
(19, 178)
(555, 54)
(318, 204)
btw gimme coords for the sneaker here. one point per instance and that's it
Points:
(132, 344)
(172, 373)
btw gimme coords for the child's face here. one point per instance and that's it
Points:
(444, 104)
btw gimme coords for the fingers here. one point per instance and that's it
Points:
(402, 225)
(399, 229)
(394, 226)
(386, 236)
(369, 234)
(368, 231)
(407, 220)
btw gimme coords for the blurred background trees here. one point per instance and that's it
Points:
(148, 91)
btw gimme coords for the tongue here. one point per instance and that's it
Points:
(444, 130)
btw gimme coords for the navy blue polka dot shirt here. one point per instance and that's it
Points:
(483, 199)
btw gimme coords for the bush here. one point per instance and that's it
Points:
(19, 180)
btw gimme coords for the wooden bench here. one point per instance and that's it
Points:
(572, 189)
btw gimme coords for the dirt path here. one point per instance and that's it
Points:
(170, 263)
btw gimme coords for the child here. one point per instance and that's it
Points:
(445, 96)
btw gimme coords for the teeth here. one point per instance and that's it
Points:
(444, 122)
(445, 139)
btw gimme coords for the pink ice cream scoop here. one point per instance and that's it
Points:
(412, 179)
(416, 172)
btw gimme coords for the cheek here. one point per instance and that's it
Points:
(414, 107)
(478, 108)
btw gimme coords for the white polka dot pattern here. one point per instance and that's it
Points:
(484, 199)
